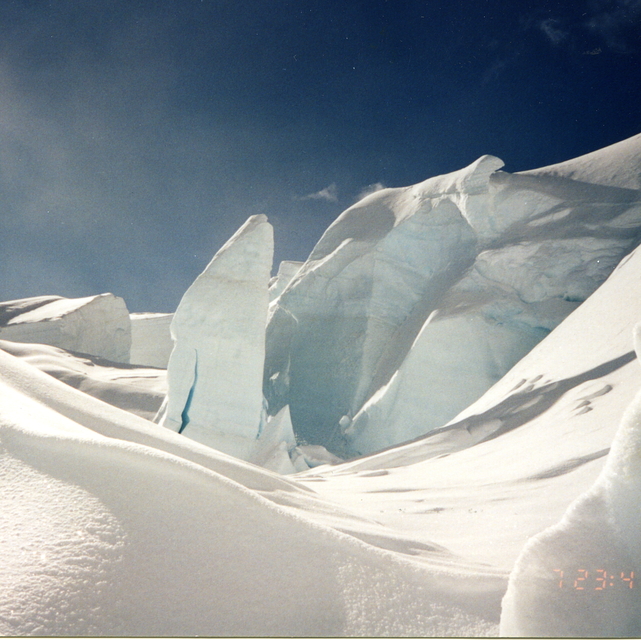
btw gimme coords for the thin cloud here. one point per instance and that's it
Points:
(552, 28)
(615, 22)
(329, 194)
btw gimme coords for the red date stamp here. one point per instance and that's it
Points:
(594, 580)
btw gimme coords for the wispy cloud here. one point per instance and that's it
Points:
(615, 21)
(329, 194)
(554, 31)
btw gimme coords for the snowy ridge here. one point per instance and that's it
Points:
(88, 513)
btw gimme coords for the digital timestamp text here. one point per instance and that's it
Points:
(594, 580)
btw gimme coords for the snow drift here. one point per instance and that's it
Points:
(94, 497)
(580, 577)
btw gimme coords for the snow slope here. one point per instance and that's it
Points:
(580, 576)
(521, 453)
(137, 389)
(417, 540)
(180, 541)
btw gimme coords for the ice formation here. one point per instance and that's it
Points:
(422, 539)
(97, 325)
(151, 342)
(581, 577)
(416, 300)
(287, 269)
(214, 375)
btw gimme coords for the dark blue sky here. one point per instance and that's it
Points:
(136, 136)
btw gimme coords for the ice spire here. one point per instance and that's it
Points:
(216, 367)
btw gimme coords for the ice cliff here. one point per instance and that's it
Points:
(151, 342)
(416, 300)
(97, 325)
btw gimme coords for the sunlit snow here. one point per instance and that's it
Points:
(473, 335)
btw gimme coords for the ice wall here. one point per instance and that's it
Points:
(581, 577)
(287, 269)
(215, 370)
(96, 325)
(416, 300)
(151, 342)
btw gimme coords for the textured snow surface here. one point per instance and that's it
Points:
(97, 325)
(416, 300)
(580, 577)
(113, 526)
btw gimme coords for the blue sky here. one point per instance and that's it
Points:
(136, 136)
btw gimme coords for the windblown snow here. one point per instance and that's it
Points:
(448, 382)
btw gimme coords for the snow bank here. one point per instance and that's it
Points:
(97, 325)
(139, 390)
(110, 526)
(581, 576)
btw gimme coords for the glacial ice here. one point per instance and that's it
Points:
(215, 370)
(96, 325)
(287, 269)
(416, 300)
(151, 342)
(580, 577)
(177, 538)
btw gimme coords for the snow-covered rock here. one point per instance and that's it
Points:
(214, 375)
(151, 342)
(96, 325)
(581, 577)
(416, 300)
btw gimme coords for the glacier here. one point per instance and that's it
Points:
(151, 342)
(417, 300)
(481, 333)
(97, 325)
